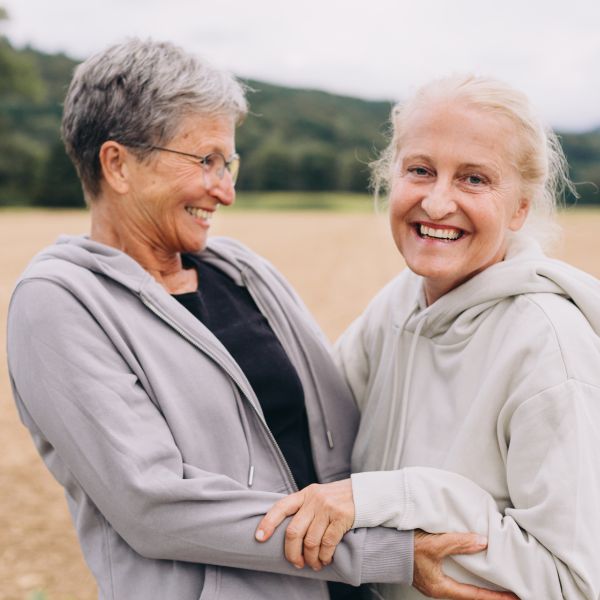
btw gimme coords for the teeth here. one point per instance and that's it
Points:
(441, 234)
(199, 213)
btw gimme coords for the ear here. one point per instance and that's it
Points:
(520, 215)
(114, 163)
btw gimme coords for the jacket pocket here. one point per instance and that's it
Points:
(212, 583)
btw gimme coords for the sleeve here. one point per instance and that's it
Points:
(543, 546)
(100, 432)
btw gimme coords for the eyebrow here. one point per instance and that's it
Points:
(411, 157)
(476, 166)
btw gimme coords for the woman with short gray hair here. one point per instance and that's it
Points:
(175, 386)
(139, 93)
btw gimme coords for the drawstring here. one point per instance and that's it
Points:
(247, 436)
(405, 392)
(328, 432)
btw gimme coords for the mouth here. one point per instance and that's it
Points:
(438, 233)
(200, 213)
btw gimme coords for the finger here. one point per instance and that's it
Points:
(451, 589)
(312, 541)
(295, 534)
(276, 514)
(332, 537)
(460, 543)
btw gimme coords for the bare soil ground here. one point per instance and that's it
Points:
(336, 262)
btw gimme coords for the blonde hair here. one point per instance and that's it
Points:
(540, 159)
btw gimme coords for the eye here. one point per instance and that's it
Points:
(418, 171)
(475, 180)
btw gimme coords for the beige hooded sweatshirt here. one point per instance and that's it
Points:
(481, 413)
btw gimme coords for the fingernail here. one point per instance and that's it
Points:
(260, 535)
(481, 540)
(298, 566)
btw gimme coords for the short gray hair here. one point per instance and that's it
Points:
(540, 160)
(137, 93)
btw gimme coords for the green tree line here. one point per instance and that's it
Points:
(293, 139)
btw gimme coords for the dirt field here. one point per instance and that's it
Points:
(335, 261)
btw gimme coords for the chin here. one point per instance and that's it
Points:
(432, 269)
(195, 245)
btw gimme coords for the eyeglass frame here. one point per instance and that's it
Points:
(234, 158)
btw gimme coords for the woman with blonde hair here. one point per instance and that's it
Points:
(476, 369)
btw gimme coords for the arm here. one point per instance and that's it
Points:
(336, 508)
(325, 512)
(545, 545)
(100, 433)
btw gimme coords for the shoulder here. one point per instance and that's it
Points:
(49, 281)
(50, 265)
(554, 321)
(42, 311)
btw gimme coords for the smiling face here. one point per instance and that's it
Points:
(455, 193)
(171, 200)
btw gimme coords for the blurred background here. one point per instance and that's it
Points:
(324, 75)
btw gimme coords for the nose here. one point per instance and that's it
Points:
(222, 189)
(439, 200)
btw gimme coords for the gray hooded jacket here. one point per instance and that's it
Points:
(159, 440)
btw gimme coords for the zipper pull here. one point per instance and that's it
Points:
(330, 439)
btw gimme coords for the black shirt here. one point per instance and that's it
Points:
(229, 311)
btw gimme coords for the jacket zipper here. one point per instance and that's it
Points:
(235, 379)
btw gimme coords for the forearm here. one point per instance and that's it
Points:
(439, 501)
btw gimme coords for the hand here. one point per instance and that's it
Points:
(323, 514)
(428, 577)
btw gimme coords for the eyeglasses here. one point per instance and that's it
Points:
(212, 164)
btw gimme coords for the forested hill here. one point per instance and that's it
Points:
(293, 139)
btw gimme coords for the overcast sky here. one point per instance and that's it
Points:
(376, 49)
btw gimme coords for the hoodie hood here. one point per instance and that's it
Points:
(104, 260)
(525, 270)
(110, 262)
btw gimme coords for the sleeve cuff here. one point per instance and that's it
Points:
(388, 556)
(380, 498)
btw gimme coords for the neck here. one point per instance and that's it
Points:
(111, 227)
(434, 291)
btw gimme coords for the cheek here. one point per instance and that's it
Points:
(398, 226)
(399, 201)
(395, 216)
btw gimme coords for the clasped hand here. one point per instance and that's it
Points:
(323, 514)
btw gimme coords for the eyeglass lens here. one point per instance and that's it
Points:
(215, 164)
